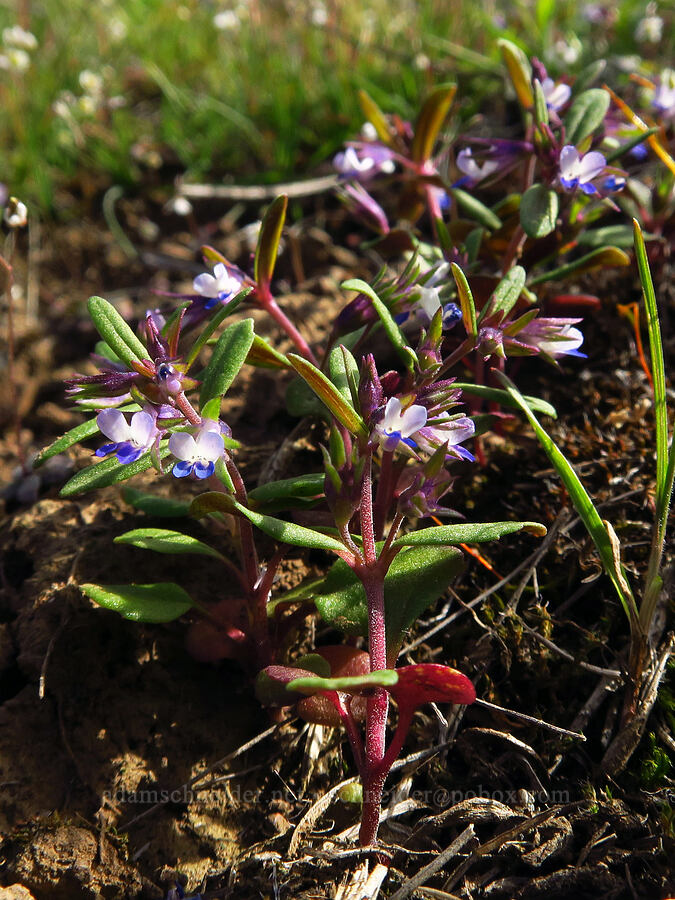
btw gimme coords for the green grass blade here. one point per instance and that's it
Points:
(603, 538)
(658, 374)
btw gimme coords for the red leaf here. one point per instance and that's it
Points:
(431, 683)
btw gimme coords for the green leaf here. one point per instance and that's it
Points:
(268, 240)
(478, 211)
(467, 533)
(540, 105)
(506, 293)
(618, 235)
(376, 117)
(161, 507)
(538, 211)
(115, 331)
(587, 112)
(162, 602)
(415, 580)
(229, 355)
(589, 75)
(74, 436)
(213, 323)
(161, 540)
(326, 391)
(351, 684)
(665, 461)
(430, 121)
(264, 355)
(520, 71)
(108, 472)
(391, 329)
(582, 503)
(605, 257)
(284, 532)
(344, 373)
(288, 489)
(466, 301)
(628, 145)
(302, 401)
(504, 399)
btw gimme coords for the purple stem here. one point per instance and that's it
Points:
(372, 578)
(385, 487)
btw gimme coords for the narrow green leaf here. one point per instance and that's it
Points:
(589, 75)
(326, 391)
(376, 117)
(539, 211)
(478, 211)
(351, 684)
(585, 115)
(284, 532)
(605, 257)
(391, 329)
(268, 240)
(265, 356)
(467, 533)
(213, 323)
(162, 540)
(229, 355)
(115, 331)
(520, 72)
(162, 602)
(466, 301)
(628, 145)
(430, 121)
(160, 507)
(506, 293)
(108, 472)
(582, 503)
(540, 105)
(79, 433)
(504, 399)
(618, 235)
(309, 485)
(658, 373)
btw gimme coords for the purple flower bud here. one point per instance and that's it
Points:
(370, 387)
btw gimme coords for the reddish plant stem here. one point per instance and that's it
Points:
(270, 305)
(372, 577)
(352, 731)
(385, 487)
(188, 410)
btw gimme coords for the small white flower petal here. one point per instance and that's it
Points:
(142, 428)
(413, 419)
(113, 425)
(590, 166)
(569, 161)
(209, 446)
(206, 285)
(183, 446)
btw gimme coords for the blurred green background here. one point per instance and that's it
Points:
(138, 91)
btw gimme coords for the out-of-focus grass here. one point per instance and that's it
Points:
(117, 88)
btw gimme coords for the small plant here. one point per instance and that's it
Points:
(397, 419)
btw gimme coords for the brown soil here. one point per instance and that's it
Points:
(118, 763)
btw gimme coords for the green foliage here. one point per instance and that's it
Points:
(161, 540)
(155, 603)
(539, 211)
(115, 331)
(229, 355)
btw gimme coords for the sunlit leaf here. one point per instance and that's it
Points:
(268, 240)
(162, 540)
(115, 331)
(162, 602)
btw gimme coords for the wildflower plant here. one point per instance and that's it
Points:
(463, 293)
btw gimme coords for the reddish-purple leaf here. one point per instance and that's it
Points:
(431, 683)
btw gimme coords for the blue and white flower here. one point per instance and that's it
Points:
(399, 425)
(364, 161)
(217, 288)
(578, 170)
(448, 430)
(197, 454)
(556, 95)
(130, 440)
(475, 171)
